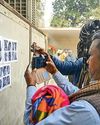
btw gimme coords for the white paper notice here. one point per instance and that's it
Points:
(5, 76)
(8, 54)
(8, 50)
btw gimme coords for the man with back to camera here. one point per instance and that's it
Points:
(85, 103)
(78, 68)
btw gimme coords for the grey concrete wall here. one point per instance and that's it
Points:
(12, 99)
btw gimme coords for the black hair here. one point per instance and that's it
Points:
(85, 36)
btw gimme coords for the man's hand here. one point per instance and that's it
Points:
(50, 67)
(30, 77)
(38, 49)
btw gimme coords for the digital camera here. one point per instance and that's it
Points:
(39, 61)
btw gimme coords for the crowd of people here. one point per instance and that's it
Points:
(84, 91)
(65, 55)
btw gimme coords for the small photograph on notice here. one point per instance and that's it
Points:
(4, 70)
(14, 56)
(14, 46)
(8, 80)
(1, 72)
(0, 84)
(6, 56)
(5, 45)
(0, 56)
(9, 46)
(9, 56)
(4, 81)
(8, 70)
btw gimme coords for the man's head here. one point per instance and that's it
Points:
(70, 52)
(85, 36)
(94, 59)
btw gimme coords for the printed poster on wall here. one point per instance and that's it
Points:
(5, 76)
(8, 54)
(8, 50)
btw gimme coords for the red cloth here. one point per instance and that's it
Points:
(46, 100)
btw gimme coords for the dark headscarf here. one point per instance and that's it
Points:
(85, 36)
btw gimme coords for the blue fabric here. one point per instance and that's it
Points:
(63, 83)
(70, 58)
(77, 113)
(69, 68)
(35, 105)
(28, 104)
